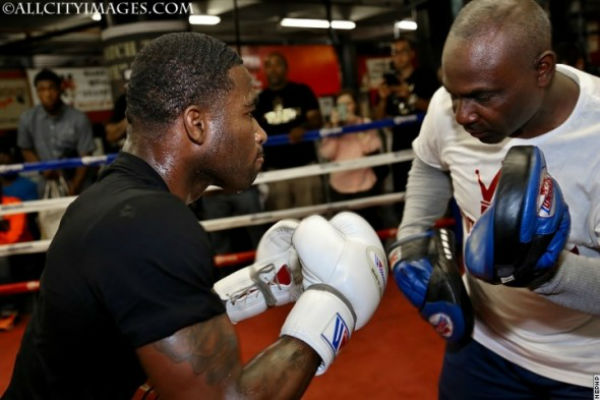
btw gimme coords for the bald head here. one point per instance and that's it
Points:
(521, 24)
(498, 67)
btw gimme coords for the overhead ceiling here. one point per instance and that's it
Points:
(242, 21)
(249, 21)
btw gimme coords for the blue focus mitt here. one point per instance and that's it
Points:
(426, 271)
(518, 239)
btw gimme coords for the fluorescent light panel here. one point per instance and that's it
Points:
(342, 24)
(198, 19)
(406, 25)
(317, 23)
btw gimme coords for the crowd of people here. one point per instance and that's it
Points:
(504, 136)
(54, 130)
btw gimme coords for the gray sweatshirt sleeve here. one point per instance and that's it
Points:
(427, 194)
(576, 284)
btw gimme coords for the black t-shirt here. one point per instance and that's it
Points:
(129, 265)
(424, 83)
(277, 112)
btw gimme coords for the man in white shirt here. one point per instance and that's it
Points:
(501, 88)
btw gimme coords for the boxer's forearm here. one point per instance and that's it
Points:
(202, 361)
(427, 194)
(575, 284)
(282, 371)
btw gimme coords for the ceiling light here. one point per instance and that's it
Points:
(96, 16)
(406, 25)
(198, 19)
(316, 23)
(305, 23)
(343, 25)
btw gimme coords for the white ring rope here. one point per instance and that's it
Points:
(36, 246)
(40, 246)
(271, 216)
(263, 177)
(36, 205)
(326, 168)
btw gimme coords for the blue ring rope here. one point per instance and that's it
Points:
(275, 140)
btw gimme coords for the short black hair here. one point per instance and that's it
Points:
(175, 71)
(47, 75)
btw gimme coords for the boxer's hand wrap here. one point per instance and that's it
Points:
(345, 273)
(274, 279)
(426, 271)
(518, 239)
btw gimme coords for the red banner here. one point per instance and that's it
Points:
(315, 65)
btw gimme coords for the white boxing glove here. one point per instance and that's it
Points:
(274, 279)
(345, 272)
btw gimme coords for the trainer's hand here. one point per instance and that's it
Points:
(425, 270)
(274, 279)
(518, 239)
(345, 274)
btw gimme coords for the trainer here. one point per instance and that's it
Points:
(514, 138)
(127, 292)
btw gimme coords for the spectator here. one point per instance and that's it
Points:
(406, 89)
(352, 184)
(13, 184)
(292, 108)
(15, 228)
(53, 130)
(19, 188)
(12, 229)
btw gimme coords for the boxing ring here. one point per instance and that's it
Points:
(210, 225)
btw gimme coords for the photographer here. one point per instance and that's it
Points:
(405, 90)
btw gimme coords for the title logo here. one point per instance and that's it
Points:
(442, 324)
(336, 333)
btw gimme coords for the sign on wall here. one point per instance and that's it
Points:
(314, 65)
(14, 99)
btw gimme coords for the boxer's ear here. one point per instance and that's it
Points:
(195, 121)
(545, 67)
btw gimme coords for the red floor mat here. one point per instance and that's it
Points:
(395, 356)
